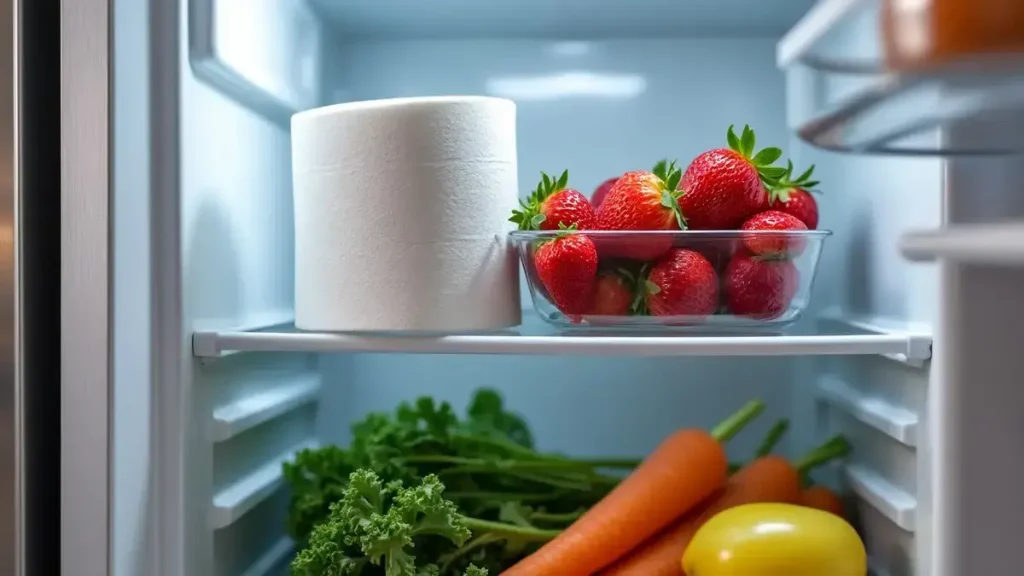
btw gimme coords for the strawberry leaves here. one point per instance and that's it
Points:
(780, 189)
(734, 142)
(530, 216)
(745, 145)
(670, 175)
(767, 156)
(804, 180)
(642, 288)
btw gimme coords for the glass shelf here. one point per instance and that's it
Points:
(841, 98)
(828, 337)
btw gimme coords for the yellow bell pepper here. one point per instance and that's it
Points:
(775, 540)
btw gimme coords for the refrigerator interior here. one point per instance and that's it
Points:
(601, 88)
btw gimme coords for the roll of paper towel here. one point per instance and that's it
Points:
(401, 215)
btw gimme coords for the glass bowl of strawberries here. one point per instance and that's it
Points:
(731, 242)
(689, 279)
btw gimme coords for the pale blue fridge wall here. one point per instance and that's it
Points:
(632, 103)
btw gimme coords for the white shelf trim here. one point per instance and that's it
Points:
(232, 502)
(271, 559)
(892, 501)
(241, 414)
(213, 344)
(1000, 244)
(897, 423)
(274, 321)
(919, 339)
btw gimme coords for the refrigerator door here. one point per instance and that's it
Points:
(85, 268)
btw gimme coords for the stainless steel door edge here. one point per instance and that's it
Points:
(85, 342)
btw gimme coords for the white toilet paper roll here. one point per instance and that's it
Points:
(401, 215)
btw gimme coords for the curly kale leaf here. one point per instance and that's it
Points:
(377, 524)
(328, 552)
(317, 478)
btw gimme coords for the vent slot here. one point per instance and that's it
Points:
(235, 500)
(890, 500)
(897, 423)
(271, 559)
(241, 414)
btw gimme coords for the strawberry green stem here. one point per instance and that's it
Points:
(732, 425)
(771, 440)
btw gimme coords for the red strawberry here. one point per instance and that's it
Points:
(718, 250)
(552, 205)
(602, 191)
(642, 201)
(773, 245)
(681, 283)
(760, 288)
(793, 196)
(567, 268)
(613, 295)
(726, 186)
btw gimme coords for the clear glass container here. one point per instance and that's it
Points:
(703, 281)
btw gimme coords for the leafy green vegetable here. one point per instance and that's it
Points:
(377, 525)
(317, 479)
(486, 460)
(487, 416)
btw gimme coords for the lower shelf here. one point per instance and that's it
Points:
(852, 340)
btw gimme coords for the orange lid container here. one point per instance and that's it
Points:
(922, 33)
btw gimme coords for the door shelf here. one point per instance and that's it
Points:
(830, 338)
(841, 98)
(992, 244)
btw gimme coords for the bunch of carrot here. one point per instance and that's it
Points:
(769, 478)
(644, 525)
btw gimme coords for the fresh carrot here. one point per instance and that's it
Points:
(821, 498)
(771, 439)
(688, 467)
(766, 479)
